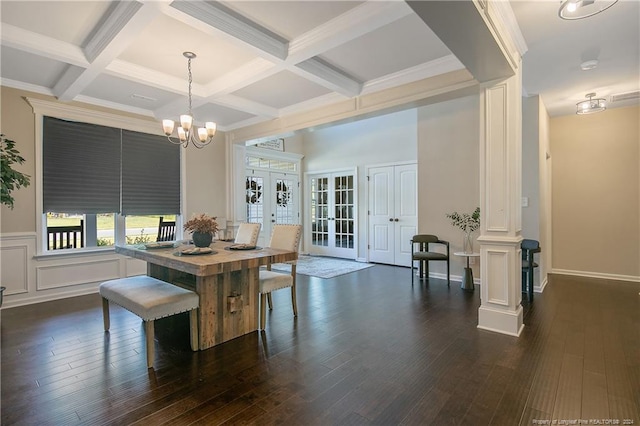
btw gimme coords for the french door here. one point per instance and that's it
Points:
(333, 213)
(393, 213)
(271, 197)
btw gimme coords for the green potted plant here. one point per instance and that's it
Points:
(203, 227)
(467, 223)
(11, 179)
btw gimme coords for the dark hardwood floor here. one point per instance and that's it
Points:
(367, 348)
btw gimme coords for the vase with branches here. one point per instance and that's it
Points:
(467, 223)
(203, 227)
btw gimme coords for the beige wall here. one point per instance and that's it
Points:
(18, 124)
(448, 171)
(204, 187)
(206, 176)
(596, 193)
(536, 182)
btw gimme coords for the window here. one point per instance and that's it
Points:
(94, 174)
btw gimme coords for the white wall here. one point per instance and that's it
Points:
(379, 140)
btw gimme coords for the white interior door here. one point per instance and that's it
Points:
(393, 213)
(381, 215)
(406, 211)
(333, 213)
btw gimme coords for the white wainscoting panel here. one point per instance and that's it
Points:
(74, 273)
(30, 278)
(15, 255)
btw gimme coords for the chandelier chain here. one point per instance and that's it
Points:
(190, 81)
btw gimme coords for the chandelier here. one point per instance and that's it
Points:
(591, 105)
(580, 9)
(187, 131)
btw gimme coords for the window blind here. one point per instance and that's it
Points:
(81, 167)
(150, 174)
(90, 169)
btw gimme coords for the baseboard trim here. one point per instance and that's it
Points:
(600, 275)
(49, 297)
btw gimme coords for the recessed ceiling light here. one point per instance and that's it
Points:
(589, 65)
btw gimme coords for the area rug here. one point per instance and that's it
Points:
(323, 267)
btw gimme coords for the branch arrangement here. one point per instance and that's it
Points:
(466, 222)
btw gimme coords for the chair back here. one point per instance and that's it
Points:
(248, 233)
(64, 237)
(286, 237)
(424, 238)
(166, 230)
(527, 246)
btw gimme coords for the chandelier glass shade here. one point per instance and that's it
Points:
(580, 9)
(591, 105)
(187, 131)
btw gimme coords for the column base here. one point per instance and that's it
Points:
(501, 321)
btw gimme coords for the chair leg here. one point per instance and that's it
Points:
(530, 284)
(426, 270)
(448, 273)
(421, 267)
(293, 291)
(193, 328)
(412, 273)
(270, 301)
(293, 301)
(105, 314)
(148, 331)
(263, 310)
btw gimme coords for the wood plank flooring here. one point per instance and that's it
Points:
(366, 348)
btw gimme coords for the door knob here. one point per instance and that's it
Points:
(396, 219)
(390, 219)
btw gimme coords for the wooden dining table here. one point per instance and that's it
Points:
(226, 280)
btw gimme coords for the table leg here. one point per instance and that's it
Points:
(467, 280)
(228, 303)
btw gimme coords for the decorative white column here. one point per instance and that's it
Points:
(500, 194)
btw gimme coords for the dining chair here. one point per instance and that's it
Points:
(166, 230)
(248, 234)
(421, 252)
(529, 248)
(65, 237)
(284, 237)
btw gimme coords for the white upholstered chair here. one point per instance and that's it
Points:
(284, 237)
(248, 234)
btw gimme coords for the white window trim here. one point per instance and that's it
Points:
(42, 108)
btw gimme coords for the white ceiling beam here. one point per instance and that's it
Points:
(38, 44)
(409, 75)
(125, 21)
(251, 107)
(221, 17)
(322, 73)
(352, 24)
(462, 28)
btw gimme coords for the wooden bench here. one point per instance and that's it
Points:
(150, 299)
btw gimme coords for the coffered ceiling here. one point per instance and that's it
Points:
(260, 60)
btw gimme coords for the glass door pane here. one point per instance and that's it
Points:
(344, 220)
(320, 211)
